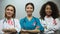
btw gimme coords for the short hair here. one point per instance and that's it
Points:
(29, 4)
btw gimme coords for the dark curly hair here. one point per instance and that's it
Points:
(55, 11)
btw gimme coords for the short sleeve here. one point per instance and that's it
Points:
(39, 24)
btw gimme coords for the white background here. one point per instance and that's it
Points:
(20, 6)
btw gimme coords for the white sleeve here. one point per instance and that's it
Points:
(17, 25)
(57, 27)
(43, 23)
(1, 26)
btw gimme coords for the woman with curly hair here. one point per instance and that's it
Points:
(49, 17)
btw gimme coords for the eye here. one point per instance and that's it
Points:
(47, 8)
(27, 7)
(31, 8)
(11, 10)
(8, 9)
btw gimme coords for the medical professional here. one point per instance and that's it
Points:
(9, 25)
(30, 22)
(50, 18)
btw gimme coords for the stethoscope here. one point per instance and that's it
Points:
(6, 22)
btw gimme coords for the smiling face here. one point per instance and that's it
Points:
(29, 9)
(48, 10)
(9, 11)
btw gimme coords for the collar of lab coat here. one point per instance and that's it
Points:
(48, 18)
(10, 19)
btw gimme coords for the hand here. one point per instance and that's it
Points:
(12, 30)
(45, 27)
(35, 30)
(6, 33)
(9, 30)
(23, 30)
(5, 30)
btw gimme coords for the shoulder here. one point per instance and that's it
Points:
(36, 18)
(2, 20)
(22, 19)
(16, 19)
(57, 19)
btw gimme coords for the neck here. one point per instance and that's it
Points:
(8, 18)
(29, 16)
(48, 16)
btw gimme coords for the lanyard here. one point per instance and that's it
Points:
(6, 22)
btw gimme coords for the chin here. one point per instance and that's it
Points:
(9, 16)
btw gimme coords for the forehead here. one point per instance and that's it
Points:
(29, 5)
(10, 7)
(48, 6)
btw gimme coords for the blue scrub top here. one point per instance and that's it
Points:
(31, 25)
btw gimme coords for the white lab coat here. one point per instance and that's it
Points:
(7, 26)
(50, 26)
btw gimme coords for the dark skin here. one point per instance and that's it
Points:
(48, 10)
(51, 10)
